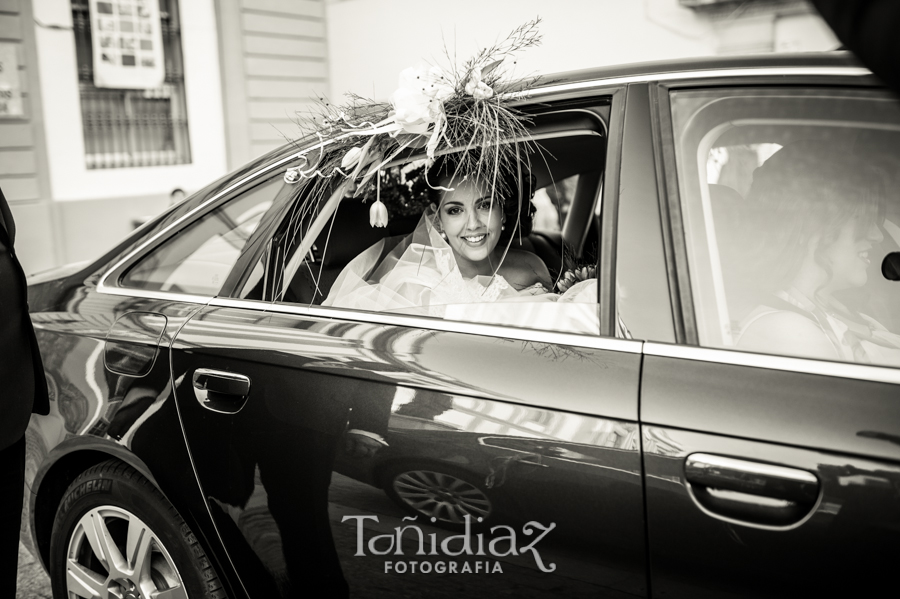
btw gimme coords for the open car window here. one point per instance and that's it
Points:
(567, 168)
(790, 206)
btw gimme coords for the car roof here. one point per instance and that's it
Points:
(652, 70)
(706, 63)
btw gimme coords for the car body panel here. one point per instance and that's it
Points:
(845, 543)
(441, 400)
(644, 294)
(96, 414)
(660, 69)
(830, 413)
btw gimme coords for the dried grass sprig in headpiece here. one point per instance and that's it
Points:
(466, 108)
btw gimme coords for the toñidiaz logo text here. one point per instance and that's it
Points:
(453, 546)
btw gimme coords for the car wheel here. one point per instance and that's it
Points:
(116, 535)
(435, 492)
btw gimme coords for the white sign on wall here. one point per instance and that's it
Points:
(127, 44)
(10, 88)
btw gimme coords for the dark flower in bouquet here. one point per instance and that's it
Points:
(575, 275)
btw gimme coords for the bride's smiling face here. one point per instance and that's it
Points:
(471, 221)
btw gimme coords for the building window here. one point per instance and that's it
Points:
(133, 127)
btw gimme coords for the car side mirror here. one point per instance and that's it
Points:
(890, 266)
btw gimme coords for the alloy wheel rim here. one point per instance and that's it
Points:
(113, 554)
(441, 496)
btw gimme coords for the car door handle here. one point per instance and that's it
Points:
(748, 492)
(221, 391)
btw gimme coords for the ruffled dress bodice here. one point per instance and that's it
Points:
(418, 274)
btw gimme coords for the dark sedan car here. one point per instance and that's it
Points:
(722, 419)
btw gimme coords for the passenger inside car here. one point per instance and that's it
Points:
(459, 259)
(814, 218)
(310, 251)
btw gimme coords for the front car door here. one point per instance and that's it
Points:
(104, 335)
(383, 454)
(770, 430)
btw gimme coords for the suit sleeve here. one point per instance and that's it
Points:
(7, 224)
(869, 29)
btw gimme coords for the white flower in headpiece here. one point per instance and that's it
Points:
(411, 110)
(477, 88)
(378, 215)
(351, 157)
(439, 86)
(419, 100)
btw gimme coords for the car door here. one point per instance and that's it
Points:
(770, 428)
(377, 453)
(105, 346)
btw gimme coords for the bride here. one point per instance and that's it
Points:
(458, 263)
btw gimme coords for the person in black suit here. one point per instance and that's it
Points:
(24, 391)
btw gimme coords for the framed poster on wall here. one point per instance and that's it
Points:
(10, 87)
(127, 44)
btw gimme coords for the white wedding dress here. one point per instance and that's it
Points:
(417, 274)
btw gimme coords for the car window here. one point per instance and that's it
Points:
(790, 205)
(547, 279)
(198, 259)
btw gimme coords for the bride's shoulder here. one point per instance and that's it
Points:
(522, 269)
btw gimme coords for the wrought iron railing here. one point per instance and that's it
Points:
(133, 127)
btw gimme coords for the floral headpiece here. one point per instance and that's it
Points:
(433, 108)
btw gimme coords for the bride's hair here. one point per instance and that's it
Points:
(519, 216)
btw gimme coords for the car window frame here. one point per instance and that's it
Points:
(318, 225)
(111, 281)
(640, 155)
(108, 282)
(607, 209)
(687, 345)
(604, 220)
(670, 201)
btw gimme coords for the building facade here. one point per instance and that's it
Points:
(82, 164)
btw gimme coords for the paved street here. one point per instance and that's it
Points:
(32, 580)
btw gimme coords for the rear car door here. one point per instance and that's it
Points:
(770, 430)
(382, 454)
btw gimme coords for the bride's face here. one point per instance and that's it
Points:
(471, 221)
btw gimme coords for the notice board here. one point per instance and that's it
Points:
(10, 86)
(127, 44)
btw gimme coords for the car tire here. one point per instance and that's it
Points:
(441, 493)
(115, 534)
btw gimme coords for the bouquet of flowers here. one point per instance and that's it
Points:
(575, 275)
